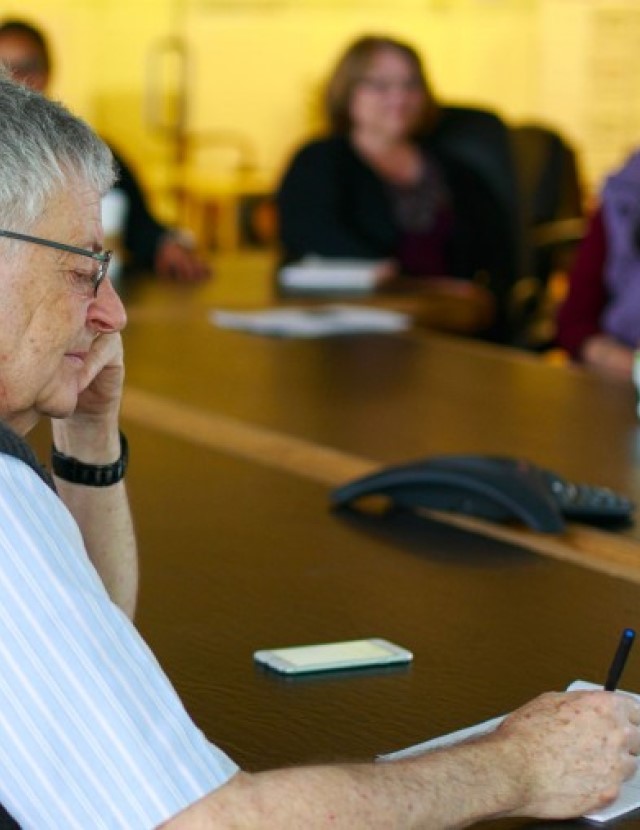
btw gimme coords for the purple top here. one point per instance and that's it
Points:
(621, 215)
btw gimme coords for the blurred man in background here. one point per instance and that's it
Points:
(147, 243)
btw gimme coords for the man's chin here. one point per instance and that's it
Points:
(61, 408)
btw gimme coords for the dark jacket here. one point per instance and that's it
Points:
(142, 233)
(332, 203)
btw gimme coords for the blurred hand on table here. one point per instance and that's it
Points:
(179, 261)
(443, 303)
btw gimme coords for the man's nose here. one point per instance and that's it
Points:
(106, 312)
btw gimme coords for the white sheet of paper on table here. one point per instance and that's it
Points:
(318, 321)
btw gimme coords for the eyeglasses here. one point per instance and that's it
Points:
(382, 86)
(25, 67)
(103, 258)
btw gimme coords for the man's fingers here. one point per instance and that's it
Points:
(631, 707)
(630, 767)
(633, 740)
(104, 360)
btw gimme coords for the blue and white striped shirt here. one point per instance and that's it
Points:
(92, 734)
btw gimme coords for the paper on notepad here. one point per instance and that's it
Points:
(319, 321)
(318, 274)
(628, 800)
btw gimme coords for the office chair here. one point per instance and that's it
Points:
(480, 140)
(534, 173)
(552, 219)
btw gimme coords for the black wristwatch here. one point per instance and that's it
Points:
(91, 475)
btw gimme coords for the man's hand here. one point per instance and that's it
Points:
(91, 432)
(102, 378)
(177, 261)
(573, 750)
(91, 435)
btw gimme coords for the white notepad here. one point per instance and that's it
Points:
(319, 274)
(628, 800)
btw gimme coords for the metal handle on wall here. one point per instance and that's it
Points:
(166, 92)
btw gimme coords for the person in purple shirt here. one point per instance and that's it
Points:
(599, 322)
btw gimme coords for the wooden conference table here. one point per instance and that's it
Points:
(236, 441)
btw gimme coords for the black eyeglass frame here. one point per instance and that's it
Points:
(103, 258)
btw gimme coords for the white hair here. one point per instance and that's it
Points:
(43, 148)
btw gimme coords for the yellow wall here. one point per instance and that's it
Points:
(256, 66)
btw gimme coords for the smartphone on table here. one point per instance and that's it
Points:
(348, 654)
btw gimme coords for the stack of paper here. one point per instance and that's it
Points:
(316, 274)
(320, 321)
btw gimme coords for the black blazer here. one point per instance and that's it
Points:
(142, 232)
(332, 203)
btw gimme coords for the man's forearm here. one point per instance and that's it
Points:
(102, 514)
(439, 790)
(559, 756)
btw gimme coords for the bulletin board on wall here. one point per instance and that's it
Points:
(612, 67)
(588, 71)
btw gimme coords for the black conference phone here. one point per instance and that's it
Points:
(496, 488)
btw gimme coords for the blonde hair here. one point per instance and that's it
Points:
(352, 66)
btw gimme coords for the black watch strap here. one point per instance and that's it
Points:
(91, 475)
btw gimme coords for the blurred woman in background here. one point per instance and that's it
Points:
(378, 187)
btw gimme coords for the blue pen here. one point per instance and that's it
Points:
(619, 659)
